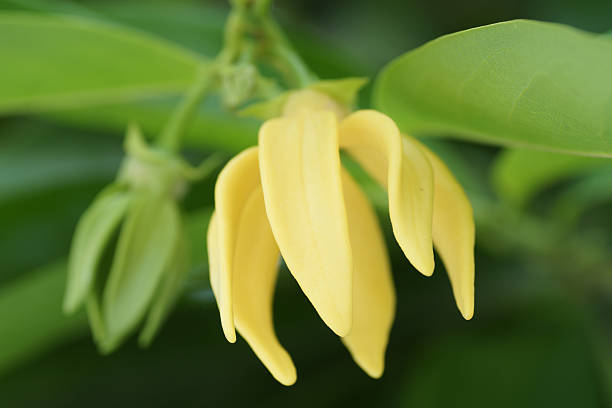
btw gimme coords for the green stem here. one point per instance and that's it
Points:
(282, 49)
(170, 138)
(262, 7)
(295, 67)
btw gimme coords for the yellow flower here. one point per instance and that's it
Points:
(290, 197)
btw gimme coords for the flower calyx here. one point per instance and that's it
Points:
(338, 95)
(157, 171)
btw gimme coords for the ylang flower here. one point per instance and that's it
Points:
(291, 197)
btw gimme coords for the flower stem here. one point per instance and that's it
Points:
(169, 139)
(236, 44)
(282, 49)
(297, 70)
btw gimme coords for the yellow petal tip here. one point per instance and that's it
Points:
(376, 372)
(427, 267)
(426, 272)
(287, 379)
(341, 328)
(373, 367)
(467, 312)
(230, 334)
(466, 307)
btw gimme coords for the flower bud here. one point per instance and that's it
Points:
(128, 259)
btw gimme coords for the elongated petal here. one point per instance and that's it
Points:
(92, 234)
(373, 292)
(212, 246)
(375, 142)
(93, 306)
(235, 185)
(146, 242)
(255, 272)
(453, 234)
(300, 175)
(168, 292)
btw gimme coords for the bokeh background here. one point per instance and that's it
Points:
(541, 335)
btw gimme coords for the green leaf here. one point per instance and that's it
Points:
(146, 243)
(35, 158)
(51, 6)
(31, 318)
(48, 177)
(93, 231)
(519, 174)
(211, 128)
(170, 289)
(195, 25)
(520, 83)
(78, 61)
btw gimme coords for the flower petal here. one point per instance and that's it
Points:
(373, 291)
(255, 272)
(144, 249)
(169, 291)
(212, 246)
(92, 234)
(300, 174)
(236, 183)
(453, 234)
(399, 163)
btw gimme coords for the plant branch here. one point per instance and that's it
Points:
(169, 139)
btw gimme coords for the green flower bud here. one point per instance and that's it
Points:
(238, 84)
(128, 260)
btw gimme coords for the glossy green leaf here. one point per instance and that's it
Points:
(51, 6)
(196, 25)
(78, 61)
(48, 177)
(521, 83)
(211, 128)
(93, 231)
(518, 174)
(170, 288)
(34, 159)
(145, 247)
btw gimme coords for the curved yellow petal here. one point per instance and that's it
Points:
(454, 234)
(235, 185)
(373, 291)
(300, 175)
(212, 246)
(399, 163)
(255, 271)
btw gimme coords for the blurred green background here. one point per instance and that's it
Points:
(541, 335)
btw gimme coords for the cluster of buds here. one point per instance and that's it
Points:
(129, 256)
